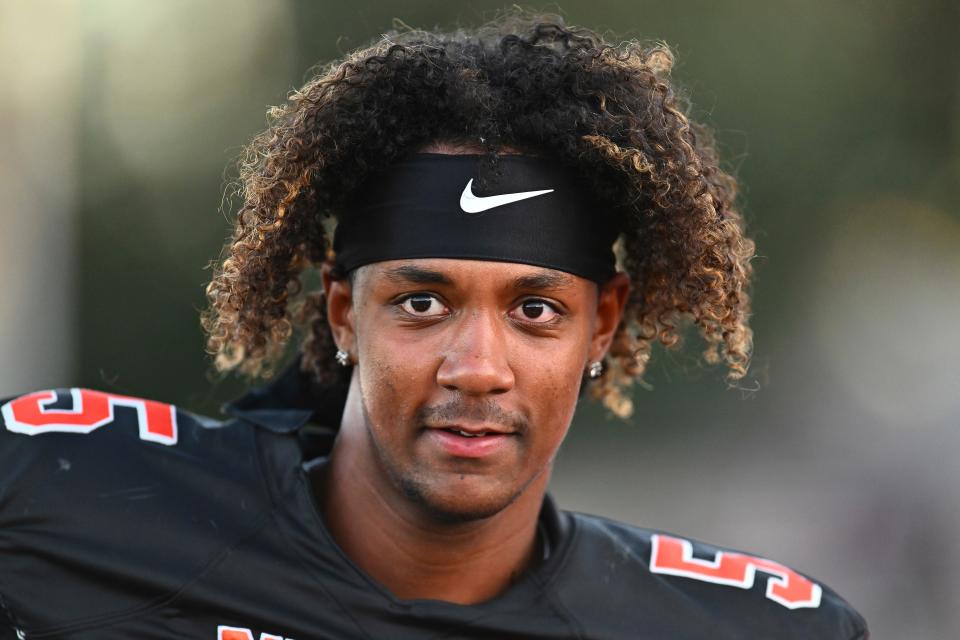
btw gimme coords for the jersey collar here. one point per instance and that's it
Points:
(289, 401)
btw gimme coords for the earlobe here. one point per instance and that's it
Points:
(338, 295)
(611, 302)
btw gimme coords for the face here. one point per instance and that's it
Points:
(468, 373)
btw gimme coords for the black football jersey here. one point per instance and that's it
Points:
(128, 518)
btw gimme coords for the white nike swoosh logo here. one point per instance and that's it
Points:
(474, 204)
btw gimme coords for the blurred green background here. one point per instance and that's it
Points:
(842, 120)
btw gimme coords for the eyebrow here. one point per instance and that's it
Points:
(417, 275)
(406, 274)
(544, 280)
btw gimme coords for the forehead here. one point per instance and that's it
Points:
(463, 273)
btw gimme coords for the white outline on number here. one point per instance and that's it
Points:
(263, 636)
(777, 577)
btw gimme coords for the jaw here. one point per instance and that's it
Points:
(452, 495)
(446, 488)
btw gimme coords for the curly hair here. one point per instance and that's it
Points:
(525, 82)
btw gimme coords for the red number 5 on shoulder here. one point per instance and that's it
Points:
(31, 414)
(674, 556)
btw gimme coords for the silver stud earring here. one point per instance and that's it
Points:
(595, 370)
(343, 358)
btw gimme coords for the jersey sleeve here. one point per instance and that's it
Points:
(684, 589)
(99, 496)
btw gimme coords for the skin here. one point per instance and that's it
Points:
(440, 342)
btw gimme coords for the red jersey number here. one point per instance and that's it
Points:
(238, 633)
(674, 556)
(30, 414)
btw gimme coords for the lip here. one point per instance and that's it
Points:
(469, 447)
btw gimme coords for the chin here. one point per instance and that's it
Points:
(458, 498)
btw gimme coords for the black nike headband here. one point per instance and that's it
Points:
(528, 210)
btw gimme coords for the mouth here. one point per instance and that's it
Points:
(477, 441)
(476, 433)
(466, 434)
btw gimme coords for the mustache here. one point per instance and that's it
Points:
(486, 411)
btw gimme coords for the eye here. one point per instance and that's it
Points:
(536, 311)
(423, 305)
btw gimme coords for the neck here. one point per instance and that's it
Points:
(412, 553)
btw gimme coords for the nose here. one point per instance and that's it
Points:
(476, 360)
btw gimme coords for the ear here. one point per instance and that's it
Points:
(339, 298)
(611, 301)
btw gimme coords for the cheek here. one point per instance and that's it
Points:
(563, 395)
(393, 374)
(554, 380)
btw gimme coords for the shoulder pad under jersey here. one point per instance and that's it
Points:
(93, 481)
(624, 578)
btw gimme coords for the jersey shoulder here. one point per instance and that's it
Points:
(672, 586)
(104, 442)
(98, 489)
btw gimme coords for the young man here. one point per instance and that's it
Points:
(392, 482)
